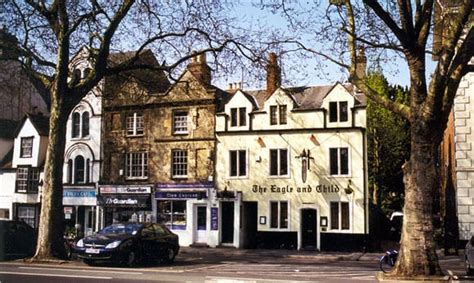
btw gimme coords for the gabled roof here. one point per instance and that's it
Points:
(39, 121)
(7, 128)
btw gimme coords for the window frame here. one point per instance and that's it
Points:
(338, 111)
(182, 166)
(278, 114)
(279, 163)
(341, 217)
(280, 221)
(27, 148)
(339, 161)
(29, 180)
(179, 129)
(238, 117)
(135, 124)
(238, 164)
(131, 164)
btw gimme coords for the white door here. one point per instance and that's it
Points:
(200, 224)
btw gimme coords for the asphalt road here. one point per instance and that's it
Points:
(218, 266)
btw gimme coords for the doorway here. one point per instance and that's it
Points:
(309, 228)
(200, 224)
(250, 210)
(227, 222)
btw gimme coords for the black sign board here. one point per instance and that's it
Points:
(123, 200)
(214, 218)
(180, 195)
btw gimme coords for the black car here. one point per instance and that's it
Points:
(469, 256)
(129, 243)
(17, 239)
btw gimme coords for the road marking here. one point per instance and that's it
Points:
(245, 280)
(55, 275)
(81, 270)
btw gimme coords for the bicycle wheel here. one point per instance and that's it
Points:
(386, 264)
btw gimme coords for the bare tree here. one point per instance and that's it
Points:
(386, 31)
(50, 32)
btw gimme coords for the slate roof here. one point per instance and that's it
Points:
(39, 121)
(7, 128)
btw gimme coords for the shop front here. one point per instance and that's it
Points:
(80, 211)
(122, 203)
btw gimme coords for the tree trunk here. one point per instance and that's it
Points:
(50, 237)
(417, 246)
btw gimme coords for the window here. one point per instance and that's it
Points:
(339, 161)
(79, 170)
(278, 115)
(26, 147)
(238, 163)
(338, 111)
(180, 163)
(238, 117)
(340, 216)
(27, 214)
(80, 125)
(172, 213)
(279, 214)
(69, 171)
(27, 179)
(136, 165)
(278, 162)
(180, 122)
(135, 124)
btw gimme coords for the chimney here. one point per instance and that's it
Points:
(199, 68)
(361, 63)
(273, 74)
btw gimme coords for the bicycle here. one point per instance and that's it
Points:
(388, 260)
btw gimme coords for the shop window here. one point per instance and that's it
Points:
(136, 165)
(26, 147)
(340, 216)
(135, 124)
(339, 161)
(279, 214)
(338, 111)
(172, 213)
(180, 122)
(238, 163)
(27, 179)
(278, 162)
(27, 214)
(238, 117)
(179, 163)
(278, 115)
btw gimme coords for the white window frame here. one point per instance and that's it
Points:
(238, 176)
(339, 215)
(26, 147)
(133, 160)
(339, 162)
(179, 161)
(80, 125)
(135, 124)
(238, 115)
(338, 111)
(180, 122)
(278, 175)
(27, 214)
(288, 216)
(279, 114)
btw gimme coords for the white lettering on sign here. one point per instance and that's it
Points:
(120, 201)
(125, 190)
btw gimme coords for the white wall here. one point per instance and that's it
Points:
(7, 190)
(39, 146)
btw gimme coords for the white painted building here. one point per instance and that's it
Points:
(82, 159)
(291, 168)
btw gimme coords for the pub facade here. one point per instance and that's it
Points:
(293, 165)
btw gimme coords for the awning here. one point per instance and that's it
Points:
(125, 200)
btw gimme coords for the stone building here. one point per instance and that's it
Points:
(159, 146)
(291, 167)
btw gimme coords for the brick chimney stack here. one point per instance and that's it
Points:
(199, 68)
(273, 74)
(361, 65)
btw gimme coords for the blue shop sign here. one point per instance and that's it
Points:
(79, 194)
(180, 195)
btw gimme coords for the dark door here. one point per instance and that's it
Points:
(227, 222)
(250, 224)
(309, 228)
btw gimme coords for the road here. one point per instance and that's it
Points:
(214, 267)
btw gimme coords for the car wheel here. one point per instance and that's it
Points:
(89, 261)
(469, 270)
(131, 259)
(170, 255)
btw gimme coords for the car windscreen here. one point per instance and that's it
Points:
(130, 229)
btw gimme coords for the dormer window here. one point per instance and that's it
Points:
(278, 115)
(238, 117)
(338, 111)
(26, 150)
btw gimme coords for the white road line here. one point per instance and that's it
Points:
(246, 280)
(81, 270)
(55, 275)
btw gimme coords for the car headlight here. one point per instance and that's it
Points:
(80, 243)
(113, 245)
